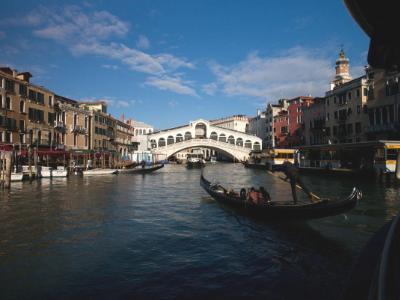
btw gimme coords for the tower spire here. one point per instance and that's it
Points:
(342, 69)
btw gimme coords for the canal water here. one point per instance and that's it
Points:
(160, 236)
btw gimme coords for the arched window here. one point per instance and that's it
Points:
(144, 131)
(239, 142)
(200, 131)
(214, 136)
(231, 140)
(161, 142)
(247, 144)
(256, 146)
(188, 136)
(153, 144)
(222, 138)
(170, 140)
(179, 138)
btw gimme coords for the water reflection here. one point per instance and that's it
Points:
(160, 235)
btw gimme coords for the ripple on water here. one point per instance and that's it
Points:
(161, 236)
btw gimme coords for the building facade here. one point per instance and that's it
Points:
(73, 123)
(123, 140)
(296, 125)
(281, 129)
(383, 104)
(314, 123)
(272, 111)
(346, 106)
(258, 126)
(237, 122)
(103, 126)
(27, 111)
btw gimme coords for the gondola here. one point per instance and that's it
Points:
(255, 166)
(140, 170)
(279, 210)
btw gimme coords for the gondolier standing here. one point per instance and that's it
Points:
(292, 173)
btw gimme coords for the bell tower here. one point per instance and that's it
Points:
(342, 70)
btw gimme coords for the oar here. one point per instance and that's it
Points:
(298, 186)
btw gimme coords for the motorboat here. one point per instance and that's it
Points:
(99, 171)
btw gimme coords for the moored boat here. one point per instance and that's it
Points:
(255, 166)
(140, 170)
(282, 210)
(17, 176)
(98, 172)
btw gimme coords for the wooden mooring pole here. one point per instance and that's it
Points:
(5, 169)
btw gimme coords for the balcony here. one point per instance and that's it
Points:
(78, 129)
(59, 125)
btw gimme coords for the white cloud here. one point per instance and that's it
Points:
(122, 104)
(210, 88)
(143, 42)
(111, 67)
(95, 33)
(173, 103)
(173, 84)
(173, 62)
(75, 25)
(297, 72)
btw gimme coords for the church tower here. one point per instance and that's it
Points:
(342, 70)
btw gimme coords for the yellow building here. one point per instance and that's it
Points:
(73, 124)
(26, 111)
(123, 140)
(103, 126)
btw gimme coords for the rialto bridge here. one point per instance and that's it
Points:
(200, 133)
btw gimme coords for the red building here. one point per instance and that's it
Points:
(281, 129)
(295, 112)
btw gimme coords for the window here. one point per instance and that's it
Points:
(365, 92)
(36, 115)
(50, 101)
(358, 127)
(349, 96)
(358, 93)
(328, 131)
(51, 117)
(74, 139)
(358, 109)
(23, 90)
(8, 103)
(22, 125)
(40, 98)
(32, 95)
(365, 109)
(336, 114)
(2, 105)
(22, 106)
(9, 86)
(349, 128)
(8, 137)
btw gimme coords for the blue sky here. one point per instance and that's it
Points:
(169, 62)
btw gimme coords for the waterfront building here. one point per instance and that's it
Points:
(73, 123)
(281, 129)
(314, 123)
(346, 106)
(237, 122)
(272, 111)
(295, 109)
(383, 104)
(123, 140)
(26, 110)
(258, 126)
(103, 127)
(140, 138)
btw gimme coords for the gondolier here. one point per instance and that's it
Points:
(292, 173)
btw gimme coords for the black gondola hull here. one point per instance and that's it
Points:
(277, 211)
